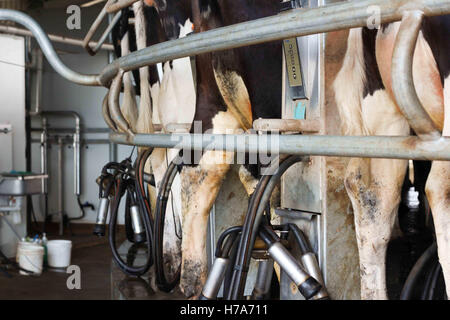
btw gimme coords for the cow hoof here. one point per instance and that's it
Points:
(193, 276)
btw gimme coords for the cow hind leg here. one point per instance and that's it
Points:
(438, 194)
(200, 185)
(374, 188)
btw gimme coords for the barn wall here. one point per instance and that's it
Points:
(60, 94)
(12, 91)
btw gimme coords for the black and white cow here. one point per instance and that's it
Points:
(366, 104)
(234, 87)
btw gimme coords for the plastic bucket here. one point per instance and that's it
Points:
(58, 253)
(31, 258)
(21, 246)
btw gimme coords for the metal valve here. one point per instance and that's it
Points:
(102, 213)
(136, 224)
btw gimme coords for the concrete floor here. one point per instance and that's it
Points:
(92, 254)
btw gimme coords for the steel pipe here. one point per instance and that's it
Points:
(94, 28)
(284, 125)
(106, 33)
(60, 185)
(107, 115)
(293, 23)
(54, 38)
(114, 107)
(44, 156)
(76, 144)
(119, 5)
(47, 48)
(402, 77)
(390, 147)
(38, 65)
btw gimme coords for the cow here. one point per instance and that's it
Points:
(367, 106)
(231, 90)
(166, 98)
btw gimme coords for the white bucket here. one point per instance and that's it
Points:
(31, 258)
(22, 245)
(58, 253)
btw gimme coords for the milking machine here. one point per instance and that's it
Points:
(303, 273)
(306, 274)
(221, 263)
(116, 181)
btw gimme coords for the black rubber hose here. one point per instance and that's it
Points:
(128, 224)
(222, 250)
(161, 204)
(83, 213)
(133, 271)
(257, 205)
(300, 238)
(143, 202)
(436, 272)
(229, 273)
(416, 271)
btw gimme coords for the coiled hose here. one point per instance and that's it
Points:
(125, 184)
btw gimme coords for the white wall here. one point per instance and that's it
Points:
(60, 94)
(12, 111)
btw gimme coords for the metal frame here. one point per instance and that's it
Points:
(299, 22)
(391, 147)
(96, 25)
(55, 38)
(119, 5)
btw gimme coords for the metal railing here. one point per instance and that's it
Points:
(300, 22)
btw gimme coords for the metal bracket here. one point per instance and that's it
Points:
(296, 214)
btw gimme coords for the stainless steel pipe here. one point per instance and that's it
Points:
(293, 23)
(402, 77)
(391, 147)
(76, 145)
(38, 65)
(106, 33)
(44, 162)
(114, 106)
(47, 48)
(119, 5)
(54, 38)
(94, 28)
(60, 185)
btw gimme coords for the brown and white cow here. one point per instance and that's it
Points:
(366, 104)
(232, 90)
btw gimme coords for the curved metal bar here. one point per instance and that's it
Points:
(114, 105)
(119, 5)
(106, 115)
(402, 77)
(94, 28)
(105, 34)
(293, 23)
(47, 48)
